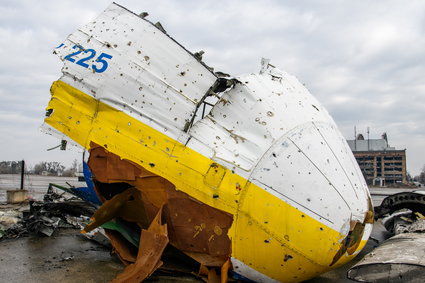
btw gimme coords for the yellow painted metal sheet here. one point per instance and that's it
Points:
(264, 150)
(269, 235)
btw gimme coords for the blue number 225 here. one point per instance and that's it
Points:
(101, 59)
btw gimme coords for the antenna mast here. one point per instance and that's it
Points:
(368, 139)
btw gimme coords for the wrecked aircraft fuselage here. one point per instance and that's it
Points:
(248, 174)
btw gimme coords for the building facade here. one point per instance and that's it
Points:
(380, 163)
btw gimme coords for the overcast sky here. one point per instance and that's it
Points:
(364, 60)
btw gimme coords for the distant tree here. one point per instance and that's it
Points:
(10, 167)
(421, 177)
(39, 168)
(409, 177)
(71, 171)
(52, 168)
(68, 172)
(74, 165)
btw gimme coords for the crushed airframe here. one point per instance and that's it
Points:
(399, 258)
(247, 175)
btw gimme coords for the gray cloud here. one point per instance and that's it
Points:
(364, 60)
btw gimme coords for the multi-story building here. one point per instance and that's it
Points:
(380, 163)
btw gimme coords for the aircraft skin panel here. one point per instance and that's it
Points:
(260, 109)
(263, 220)
(257, 130)
(241, 268)
(347, 160)
(310, 176)
(152, 78)
(267, 152)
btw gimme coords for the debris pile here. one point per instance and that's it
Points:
(404, 222)
(400, 258)
(44, 217)
(8, 218)
(403, 212)
(63, 211)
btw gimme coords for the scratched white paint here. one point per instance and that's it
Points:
(150, 76)
(267, 128)
(272, 131)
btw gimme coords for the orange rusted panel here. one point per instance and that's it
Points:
(152, 243)
(198, 230)
(125, 252)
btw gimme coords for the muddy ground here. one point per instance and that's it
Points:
(67, 256)
(64, 257)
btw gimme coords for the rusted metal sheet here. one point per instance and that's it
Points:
(248, 170)
(152, 243)
(125, 252)
(198, 230)
(398, 259)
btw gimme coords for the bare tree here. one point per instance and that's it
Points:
(53, 168)
(71, 171)
(10, 167)
(421, 176)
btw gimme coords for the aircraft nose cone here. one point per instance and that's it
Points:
(312, 168)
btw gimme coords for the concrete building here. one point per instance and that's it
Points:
(380, 163)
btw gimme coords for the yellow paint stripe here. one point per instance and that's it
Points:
(268, 234)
